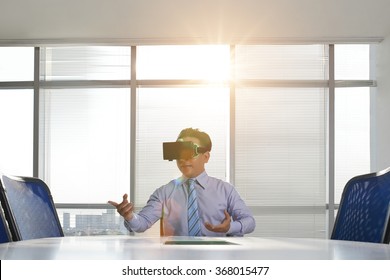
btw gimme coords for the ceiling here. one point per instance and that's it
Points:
(203, 21)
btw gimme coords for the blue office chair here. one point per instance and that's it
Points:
(29, 208)
(5, 235)
(364, 213)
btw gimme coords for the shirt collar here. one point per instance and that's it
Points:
(201, 179)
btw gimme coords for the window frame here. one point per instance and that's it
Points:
(133, 84)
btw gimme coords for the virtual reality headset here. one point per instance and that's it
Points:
(181, 150)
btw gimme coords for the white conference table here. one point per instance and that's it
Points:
(147, 248)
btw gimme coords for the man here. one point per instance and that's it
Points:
(219, 209)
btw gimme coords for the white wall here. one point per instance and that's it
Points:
(382, 103)
(196, 20)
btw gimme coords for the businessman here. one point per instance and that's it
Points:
(194, 204)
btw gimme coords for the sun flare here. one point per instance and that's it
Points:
(210, 63)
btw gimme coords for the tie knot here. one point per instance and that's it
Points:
(190, 183)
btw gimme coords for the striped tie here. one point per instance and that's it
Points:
(193, 215)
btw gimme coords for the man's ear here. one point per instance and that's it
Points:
(207, 156)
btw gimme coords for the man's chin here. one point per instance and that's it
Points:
(188, 174)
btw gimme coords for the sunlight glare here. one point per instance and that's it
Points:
(211, 63)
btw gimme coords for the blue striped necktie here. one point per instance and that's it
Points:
(193, 215)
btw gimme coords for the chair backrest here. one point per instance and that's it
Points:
(5, 235)
(364, 213)
(29, 208)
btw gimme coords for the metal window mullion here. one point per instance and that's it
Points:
(85, 84)
(83, 206)
(331, 140)
(36, 113)
(281, 83)
(17, 85)
(373, 110)
(232, 126)
(133, 123)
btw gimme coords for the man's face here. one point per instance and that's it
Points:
(194, 166)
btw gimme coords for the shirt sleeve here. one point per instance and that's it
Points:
(150, 214)
(243, 221)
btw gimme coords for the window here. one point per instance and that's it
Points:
(85, 63)
(268, 121)
(281, 62)
(352, 115)
(200, 62)
(16, 141)
(352, 62)
(280, 160)
(85, 134)
(352, 135)
(162, 114)
(163, 111)
(16, 110)
(17, 64)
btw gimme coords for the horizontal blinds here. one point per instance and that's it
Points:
(85, 131)
(86, 136)
(85, 63)
(161, 114)
(280, 146)
(280, 138)
(282, 62)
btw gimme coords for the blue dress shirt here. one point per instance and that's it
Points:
(213, 196)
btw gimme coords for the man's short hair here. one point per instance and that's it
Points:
(203, 137)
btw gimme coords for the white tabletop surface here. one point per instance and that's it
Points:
(144, 248)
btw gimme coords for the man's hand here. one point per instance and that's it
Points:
(223, 227)
(125, 208)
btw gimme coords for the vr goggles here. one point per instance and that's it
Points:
(181, 150)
